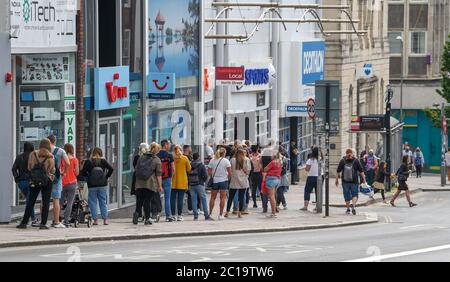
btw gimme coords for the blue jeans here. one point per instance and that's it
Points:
(177, 196)
(99, 194)
(24, 187)
(198, 190)
(350, 191)
(236, 200)
(167, 187)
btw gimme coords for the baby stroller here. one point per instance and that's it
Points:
(80, 209)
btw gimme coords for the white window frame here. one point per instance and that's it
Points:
(410, 53)
(126, 51)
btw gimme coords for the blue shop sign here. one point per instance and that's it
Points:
(161, 85)
(111, 88)
(257, 76)
(313, 61)
(297, 109)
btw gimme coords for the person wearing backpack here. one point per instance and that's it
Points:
(402, 176)
(41, 165)
(180, 182)
(21, 176)
(348, 169)
(167, 168)
(197, 177)
(148, 183)
(419, 162)
(60, 156)
(97, 170)
(69, 182)
(240, 169)
(371, 163)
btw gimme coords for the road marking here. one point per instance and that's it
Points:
(261, 250)
(296, 252)
(202, 259)
(414, 226)
(401, 254)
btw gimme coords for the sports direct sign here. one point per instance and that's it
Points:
(230, 76)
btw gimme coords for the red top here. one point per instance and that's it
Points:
(70, 177)
(274, 169)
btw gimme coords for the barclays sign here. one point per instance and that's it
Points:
(313, 61)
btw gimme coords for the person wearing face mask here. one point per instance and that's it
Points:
(371, 163)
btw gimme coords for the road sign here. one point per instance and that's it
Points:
(311, 109)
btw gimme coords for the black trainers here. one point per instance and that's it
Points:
(135, 218)
(148, 222)
(43, 227)
(348, 211)
(353, 211)
(21, 226)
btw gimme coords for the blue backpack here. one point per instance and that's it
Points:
(418, 160)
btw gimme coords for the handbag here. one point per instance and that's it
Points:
(378, 185)
(211, 179)
(263, 184)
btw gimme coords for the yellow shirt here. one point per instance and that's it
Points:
(179, 178)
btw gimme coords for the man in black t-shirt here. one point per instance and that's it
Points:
(348, 169)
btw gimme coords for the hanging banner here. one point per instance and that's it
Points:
(52, 68)
(43, 25)
(69, 114)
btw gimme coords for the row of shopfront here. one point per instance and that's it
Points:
(146, 79)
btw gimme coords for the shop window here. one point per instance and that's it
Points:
(418, 42)
(418, 16)
(395, 16)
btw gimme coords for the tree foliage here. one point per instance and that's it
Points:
(434, 114)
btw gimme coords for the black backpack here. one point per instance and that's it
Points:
(57, 165)
(194, 176)
(97, 176)
(143, 167)
(38, 175)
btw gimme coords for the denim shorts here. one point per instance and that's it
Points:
(272, 182)
(350, 191)
(56, 190)
(220, 186)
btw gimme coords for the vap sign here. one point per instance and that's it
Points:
(313, 61)
(69, 113)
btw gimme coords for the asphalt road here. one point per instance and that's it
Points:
(403, 234)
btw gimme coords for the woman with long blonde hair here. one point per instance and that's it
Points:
(219, 169)
(180, 182)
(240, 167)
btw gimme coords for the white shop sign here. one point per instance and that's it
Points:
(43, 26)
(52, 68)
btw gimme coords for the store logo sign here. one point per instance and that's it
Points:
(161, 85)
(111, 88)
(115, 92)
(34, 12)
(313, 61)
(256, 76)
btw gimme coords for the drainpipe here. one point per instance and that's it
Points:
(81, 69)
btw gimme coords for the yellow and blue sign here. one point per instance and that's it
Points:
(111, 88)
(313, 61)
(161, 85)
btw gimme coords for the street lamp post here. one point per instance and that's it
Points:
(401, 79)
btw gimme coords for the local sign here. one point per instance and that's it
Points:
(230, 75)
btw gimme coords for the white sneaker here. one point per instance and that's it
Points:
(59, 225)
(219, 217)
(180, 218)
(201, 213)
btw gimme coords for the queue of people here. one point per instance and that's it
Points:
(235, 173)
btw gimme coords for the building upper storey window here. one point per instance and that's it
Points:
(418, 44)
(395, 45)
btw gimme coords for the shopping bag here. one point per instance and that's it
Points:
(366, 190)
(263, 184)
